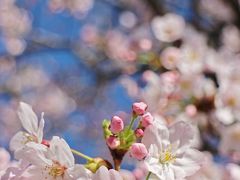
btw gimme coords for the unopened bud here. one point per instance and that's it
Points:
(139, 133)
(116, 124)
(139, 108)
(112, 142)
(138, 151)
(147, 120)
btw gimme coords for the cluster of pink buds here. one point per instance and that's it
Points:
(120, 138)
(116, 127)
(139, 108)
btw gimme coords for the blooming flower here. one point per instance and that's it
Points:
(168, 28)
(170, 154)
(55, 162)
(33, 129)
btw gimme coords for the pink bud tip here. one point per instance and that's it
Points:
(116, 124)
(147, 120)
(191, 110)
(138, 151)
(139, 133)
(45, 142)
(139, 108)
(112, 142)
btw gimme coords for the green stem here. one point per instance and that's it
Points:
(148, 176)
(134, 117)
(82, 155)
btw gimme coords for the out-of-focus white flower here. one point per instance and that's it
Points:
(225, 115)
(231, 38)
(208, 171)
(168, 28)
(212, 8)
(4, 159)
(230, 138)
(170, 154)
(76, 7)
(55, 162)
(191, 60)
(15, 46)
(104, 174)
(170, 57)
(233, 172)
(128, 19)
(33, 129)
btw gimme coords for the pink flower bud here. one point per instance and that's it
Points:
(139, 133)
(116, 124)
(147, 120)
(139, 108)
(138, 151)
(45, 142)
(191, 110)
(112, 142)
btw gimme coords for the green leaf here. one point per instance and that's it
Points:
(105, 125)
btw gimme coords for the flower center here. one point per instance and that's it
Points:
(167, 156)
(56, 170)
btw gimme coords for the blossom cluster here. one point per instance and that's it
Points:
(165, 151)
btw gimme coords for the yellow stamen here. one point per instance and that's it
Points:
(167, 156)
(56, 170)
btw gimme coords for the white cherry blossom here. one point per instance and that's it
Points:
(170, 154)
(33, 128)
(53, 163)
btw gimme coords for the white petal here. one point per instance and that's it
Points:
(152, 161)
(34, 153)
(181, 133)
(28, 118)
(40, 129)
(39, 173)
(115, 175)
(190, 162)
(62, 152)
(156, 134)
(168, 174)
(101, 174)
(179, 172)
(78, 172)
(18, 141)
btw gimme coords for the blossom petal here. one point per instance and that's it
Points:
(101, 174)
(156, 134)
(115, 175)
(79, 172)
(40, 129)
(190, 161)
(28, 118)
(34, 153)
(62, 152)
(18, 141)
(181, 133)
(152, 161)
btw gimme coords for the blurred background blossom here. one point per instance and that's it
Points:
(81, 61)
